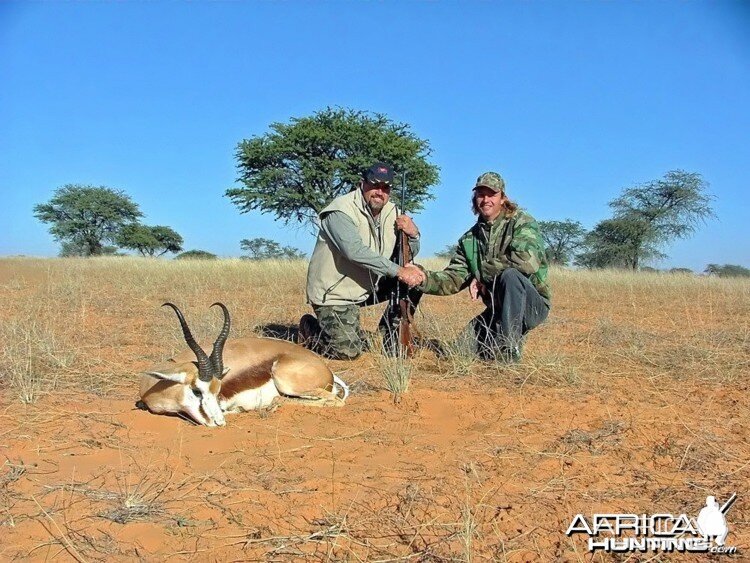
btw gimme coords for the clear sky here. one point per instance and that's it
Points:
(570, 101)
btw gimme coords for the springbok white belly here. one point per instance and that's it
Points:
(251, 399)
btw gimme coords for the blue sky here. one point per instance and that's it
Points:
(570, 101)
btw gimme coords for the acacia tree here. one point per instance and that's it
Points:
(563, 239)
(73, 248)
(618, 243)
(297, 168)
(647, 217)
(149, 241)
(83, 218)
(727, 271)
(447, 252)
(264, 249)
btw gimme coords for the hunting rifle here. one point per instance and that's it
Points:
(399, 305)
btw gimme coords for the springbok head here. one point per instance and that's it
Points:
(201, 379)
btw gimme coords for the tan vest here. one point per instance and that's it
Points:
(331, 278)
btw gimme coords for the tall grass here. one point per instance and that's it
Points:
(630, 396)
(91, 324)
(34, 354)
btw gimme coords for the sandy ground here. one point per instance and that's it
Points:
(491, 465)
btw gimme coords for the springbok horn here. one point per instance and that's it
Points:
(217, 354)
(204, 364)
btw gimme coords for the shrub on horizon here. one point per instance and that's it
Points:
(196, 255)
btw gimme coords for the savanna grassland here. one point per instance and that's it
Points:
(633, 397)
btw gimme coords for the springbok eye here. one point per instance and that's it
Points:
(197, 392)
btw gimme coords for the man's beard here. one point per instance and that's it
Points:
(376, 206)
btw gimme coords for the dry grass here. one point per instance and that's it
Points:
(60, 323)
(631, 396)
(33, 356)
(72, 512)
(59, 327)
(396, 372)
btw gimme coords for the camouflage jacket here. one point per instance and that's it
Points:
(487, 249)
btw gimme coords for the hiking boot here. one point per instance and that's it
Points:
(504, 355)
(511, 355)
(309, 331)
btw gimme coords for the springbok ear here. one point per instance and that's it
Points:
(177, 376)
(226, 371)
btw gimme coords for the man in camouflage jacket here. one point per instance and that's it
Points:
(501, 259)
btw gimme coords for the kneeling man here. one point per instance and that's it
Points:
(351, 266)
(502, 260)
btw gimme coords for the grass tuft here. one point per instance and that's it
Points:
(396, 372)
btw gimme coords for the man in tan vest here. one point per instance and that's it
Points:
(351, 265)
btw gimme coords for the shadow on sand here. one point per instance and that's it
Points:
(282, 332)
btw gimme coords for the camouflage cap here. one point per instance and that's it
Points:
(491, 180)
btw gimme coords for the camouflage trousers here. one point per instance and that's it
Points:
(340, 335)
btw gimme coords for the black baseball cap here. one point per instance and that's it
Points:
(379, 173)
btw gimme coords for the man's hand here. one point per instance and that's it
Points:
(411, 275)
(405, 223)
(476, 289)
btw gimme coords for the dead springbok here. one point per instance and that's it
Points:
(240, 375)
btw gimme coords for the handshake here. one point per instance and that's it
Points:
(411, 275)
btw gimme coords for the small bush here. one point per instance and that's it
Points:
(195, 255)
